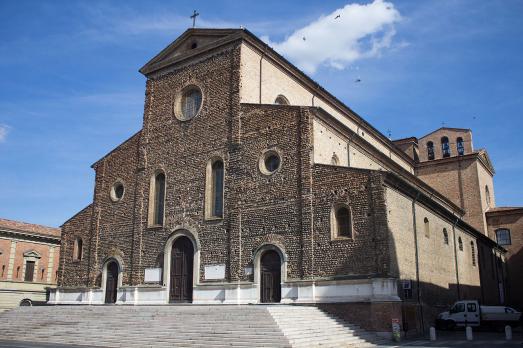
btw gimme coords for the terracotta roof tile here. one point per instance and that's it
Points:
(31, 228)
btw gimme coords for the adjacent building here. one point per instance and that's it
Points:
(29, 257)
(250, 183)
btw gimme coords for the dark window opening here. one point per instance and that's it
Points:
(343, 219)
(445, 236)
(503, 236)
(460, 244)
(159, 198)
(194, 45)
(272, 162)
(78, 249)
(217, 188)
(430, 150)
(118, 191)
(473, 253)
(460, 146)
(445, 147)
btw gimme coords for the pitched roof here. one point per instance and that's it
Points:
(27, 227)
(447, 128)
(168, 56)
(505, 210)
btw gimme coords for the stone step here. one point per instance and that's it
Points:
(184, 326)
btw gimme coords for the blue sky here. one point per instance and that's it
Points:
(70, 88)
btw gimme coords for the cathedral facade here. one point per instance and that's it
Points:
(250, 183)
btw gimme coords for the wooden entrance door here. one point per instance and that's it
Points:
(270, 277)
(111, 284)
(182, 256)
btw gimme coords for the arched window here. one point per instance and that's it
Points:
(460, 244)
(214, 185)
(157, 199)
(460, 147)
(341, 222)
(217, 188)
(473, 253)
(487, 196)
(445, 147)
(430, 150)
(281, 100)
(503, 236)
(445, 236)
(78, 249)
(427, 227)
(334, 160)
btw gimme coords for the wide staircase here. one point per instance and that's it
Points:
(182, 326)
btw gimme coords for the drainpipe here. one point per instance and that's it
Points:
(415, 229)
(260, 86)
(456, 257)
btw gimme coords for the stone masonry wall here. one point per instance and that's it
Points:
(367, 252)
(72, 273)
(112, 224)
(182, 149)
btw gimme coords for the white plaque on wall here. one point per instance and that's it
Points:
(153, 275)
(215, 272)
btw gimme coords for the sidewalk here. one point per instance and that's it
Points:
(458, 339)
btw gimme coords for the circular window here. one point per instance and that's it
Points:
(188, 103)
(270, 162)
(117, 191)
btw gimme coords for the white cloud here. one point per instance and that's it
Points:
(361, 31)
(4, 129)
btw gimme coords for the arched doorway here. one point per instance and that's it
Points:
(181, 282)
(111, 282)
(270, 265)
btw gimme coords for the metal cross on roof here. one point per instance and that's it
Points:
(194, 15)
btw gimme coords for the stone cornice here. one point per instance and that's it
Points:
(28, 236)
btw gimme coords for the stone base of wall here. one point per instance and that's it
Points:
(293, 292)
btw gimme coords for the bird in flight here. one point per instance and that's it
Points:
(304, 38)
(338, 16)
(357, 80)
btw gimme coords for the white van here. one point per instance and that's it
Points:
(471, 313)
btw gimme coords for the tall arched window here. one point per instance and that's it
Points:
(460, 244)
(427, 227)
(460, 147)
(214, 186)
(445, 147)
(445, 236)
(487, 196)
(473, 253)
(78, 249)
(341, 222)
(430, 150)
(157, 199)
(217, 188)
